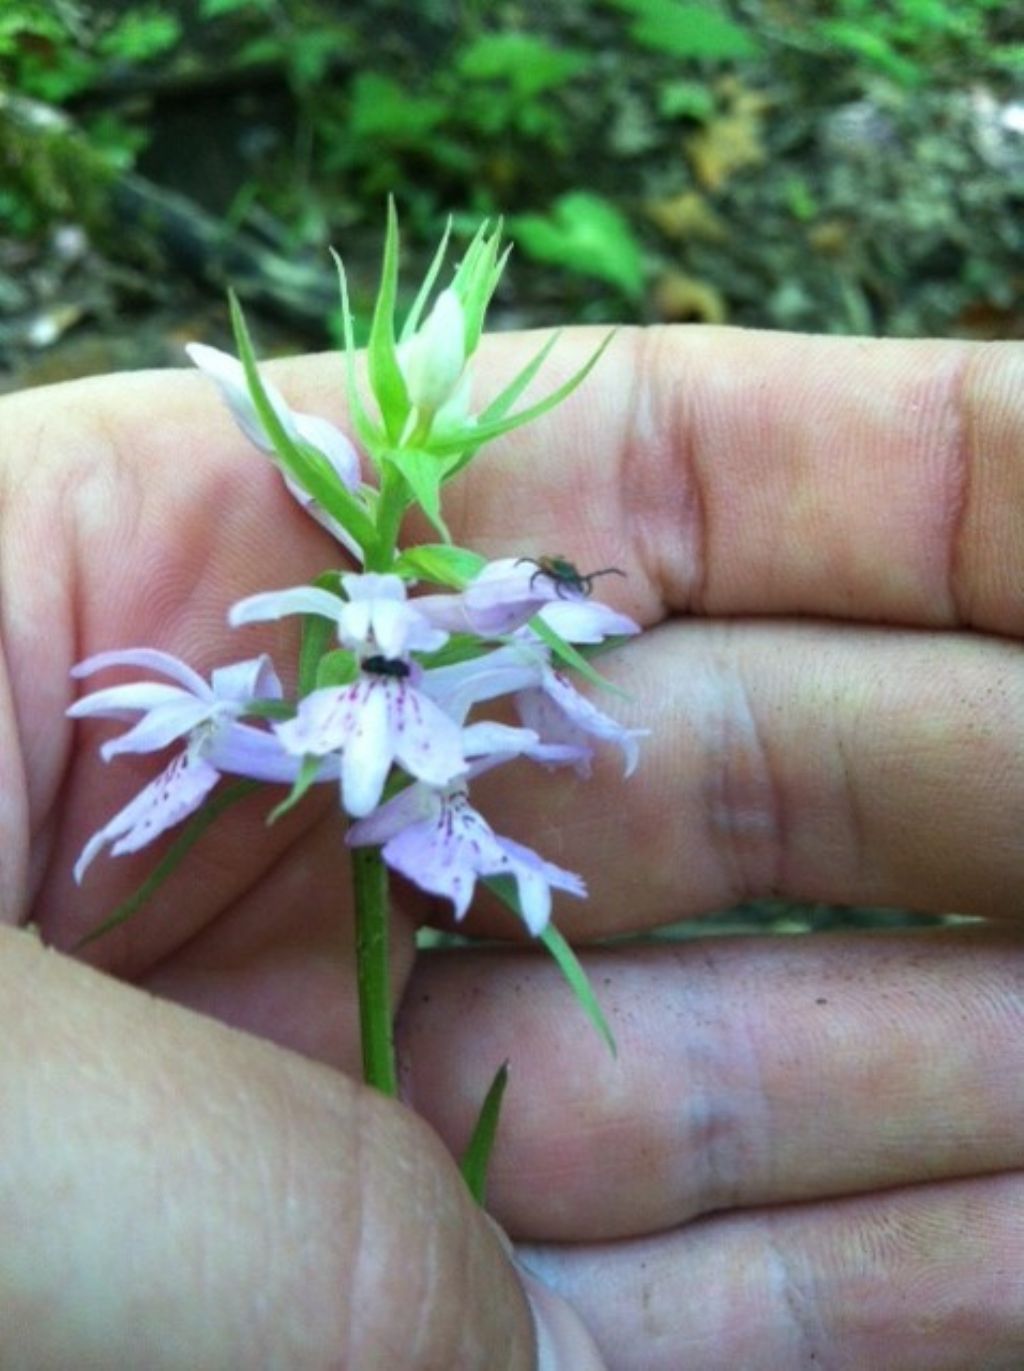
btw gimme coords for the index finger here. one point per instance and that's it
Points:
(734, 472)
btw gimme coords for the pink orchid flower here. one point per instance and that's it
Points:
(203, 715)
(382, 717)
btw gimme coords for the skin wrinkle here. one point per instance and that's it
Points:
(742, 796)
(659, 446)
(961, 460)
(720, 1159)
(797, 1303)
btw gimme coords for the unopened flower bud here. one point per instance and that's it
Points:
(432, 360)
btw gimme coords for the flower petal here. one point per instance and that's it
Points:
(332, 443)
(368, 754)
(228, 375)
(424, 739)
(323, 722)
(562, 714)
(176, 793)
(243, 682)
(125, 701)
(241, 750)
(277, 604)
(586, 621)
(150, 658)
(415, 804)
(535, 879)
(457, 688)
(158, 727)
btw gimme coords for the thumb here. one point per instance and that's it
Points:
(174, 1194)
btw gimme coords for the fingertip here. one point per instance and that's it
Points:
(563, 1343)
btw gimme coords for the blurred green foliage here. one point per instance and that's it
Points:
(585, 123)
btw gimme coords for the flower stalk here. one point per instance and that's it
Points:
(373, 960)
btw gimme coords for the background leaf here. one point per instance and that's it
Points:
(586, 234)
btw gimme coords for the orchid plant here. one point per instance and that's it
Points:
(397, 651)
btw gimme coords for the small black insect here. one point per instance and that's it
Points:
(564, 575)
(387, 666)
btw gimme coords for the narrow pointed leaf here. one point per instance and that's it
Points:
(477, 1156)
(307, 775)
(386, 377)
(423, 294)
(366, 430)
(569, 965)
(457, 442)
(479, 290)
(422, 472)
(312, 472)
(172, 859)
(571, 657)
(501, 405)
(460, 647)
(565, 957)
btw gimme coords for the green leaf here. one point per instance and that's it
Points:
(336, 668)
(570, 656)
(477, 277)
(460, 647)
(173, 858)
(369, 434)
(423, 472)
(502, 403)
(569, 965)
(385, 114)
(477, 1155)
(525, 62)
(312, 472)
(456, 444)
(307, 775)
(386, 379)
(875, 49)
(412, 321)
(213, 9)
(500, 406)
(686, 99)
(317, 632)
(441, 563)
(268, 709)
(140, 35)
(688, 31)
(586, 234)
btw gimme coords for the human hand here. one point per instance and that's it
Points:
(731, 475)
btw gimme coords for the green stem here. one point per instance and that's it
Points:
(391, 509)
(370, 883)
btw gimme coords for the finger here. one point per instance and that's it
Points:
(177, 1195)
(748, 1073)
(925, 1279)
(734, 472)
(280, 960)
(808, 761)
